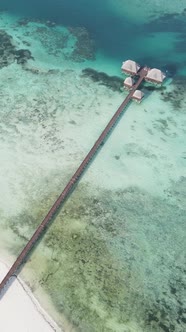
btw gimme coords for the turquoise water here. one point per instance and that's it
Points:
(114, 258)
(160, 42)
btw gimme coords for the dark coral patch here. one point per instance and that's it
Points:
(112, 82)
(22, 56)
(166, 23)
(9, 53)
(6, 49)
(177, 96)
(84, 46)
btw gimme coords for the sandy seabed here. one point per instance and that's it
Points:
(49, 121)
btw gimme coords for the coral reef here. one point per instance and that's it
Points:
(84, 47)
(167, 22)
(7, 49)
(70, 43)
(112, 82)
(22, 56)
(54, 41)
(9, 53)
(25, 21)
(140, 282)
(177, 95)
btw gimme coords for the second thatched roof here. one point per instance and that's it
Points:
(155, 75)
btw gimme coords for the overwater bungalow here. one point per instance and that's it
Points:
(138, 95)
(128, 83)
(130, 67)
(155, 76)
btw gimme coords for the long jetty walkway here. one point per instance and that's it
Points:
(71, 184)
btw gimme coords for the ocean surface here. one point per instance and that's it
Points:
(158, 42)
(113, 259)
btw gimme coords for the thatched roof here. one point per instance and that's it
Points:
(130, 66)
(129, 81)
(138, 94)
(155, 75)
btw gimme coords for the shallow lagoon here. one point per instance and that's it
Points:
(113, 259)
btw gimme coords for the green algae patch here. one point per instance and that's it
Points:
(107, 260)
(75, 264)
(110, 267)
(86, 281)
(90, 286)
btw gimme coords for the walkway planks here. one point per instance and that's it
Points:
(71, 184)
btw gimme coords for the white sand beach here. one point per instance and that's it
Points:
(20, 311)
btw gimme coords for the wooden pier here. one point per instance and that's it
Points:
(71, 184)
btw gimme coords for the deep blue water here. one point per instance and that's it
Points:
(116, 36)
(95, 15)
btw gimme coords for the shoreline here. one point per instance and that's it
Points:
(19, 296)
